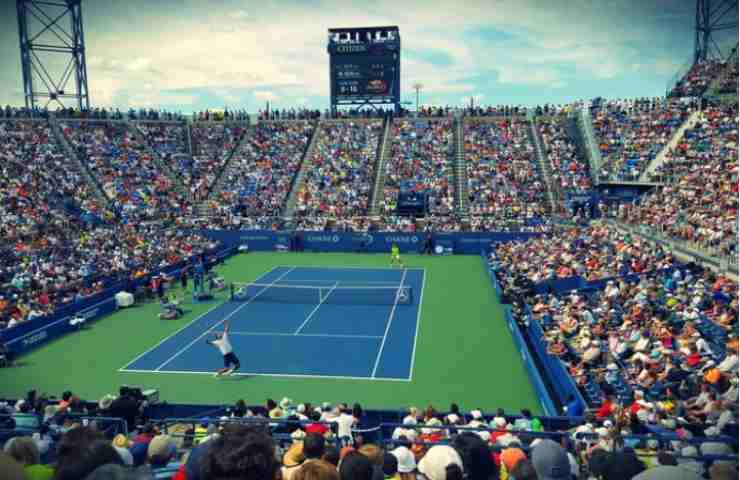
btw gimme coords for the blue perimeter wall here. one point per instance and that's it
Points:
(372, 242)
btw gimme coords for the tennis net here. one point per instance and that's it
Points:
(330, 294)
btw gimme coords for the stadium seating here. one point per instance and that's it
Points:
(420, 160)
(631, 133)
(698, 201)
(697, 79)
(341, 173)
(213, 144)
(570, 171)
(262, 171)
(504, 180)
(121, 163)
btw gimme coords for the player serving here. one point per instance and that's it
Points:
(396, 255)
(231, 362)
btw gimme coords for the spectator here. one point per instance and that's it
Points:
(246, 454)
(355, 466)
(24, 451)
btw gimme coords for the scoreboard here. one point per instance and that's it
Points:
(364, 66)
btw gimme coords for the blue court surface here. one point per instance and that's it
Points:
(348, 322)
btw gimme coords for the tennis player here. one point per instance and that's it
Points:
(396, 255)
(231, 362)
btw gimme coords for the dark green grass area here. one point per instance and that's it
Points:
(464, 351)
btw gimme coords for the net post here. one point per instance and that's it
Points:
(231, 291)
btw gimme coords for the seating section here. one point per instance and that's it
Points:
(262, 171)
(420, 160)
(611, 339)
(504, 179)
(727, 82)
(593, 253)
(570, 171)
(213, 144)
(697, 79)
(698, 201)
(130, 178)
(339, 180)
(39, 186)
(631, 133)
(169, 141)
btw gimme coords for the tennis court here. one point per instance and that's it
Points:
(334, 322)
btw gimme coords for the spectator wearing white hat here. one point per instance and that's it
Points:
(441, 462)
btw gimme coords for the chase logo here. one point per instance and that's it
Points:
(368, 239)
(400, 239)
(323, 238)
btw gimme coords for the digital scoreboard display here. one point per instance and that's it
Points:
(364, 66)
(364, 75)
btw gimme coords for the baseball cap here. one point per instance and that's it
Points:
(406, 460)
(550, 461)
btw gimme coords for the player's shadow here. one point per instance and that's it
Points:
(236, 378)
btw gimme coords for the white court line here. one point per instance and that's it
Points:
(321, 302)
(187, 325)
(282, 375)
(418, 321)
(353, 283)
(388, 325)
(327, 335)
(222, 321)
(343, 267)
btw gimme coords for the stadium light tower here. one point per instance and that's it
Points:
(417, 86)
(712, 17)
(52, 45)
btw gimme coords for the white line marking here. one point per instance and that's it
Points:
(354, 283)
(418, 321)
(282, 375)
(188, 324)
(388, 325)
(321, 302)
(327, 335)
(343, 267)
(222, 321)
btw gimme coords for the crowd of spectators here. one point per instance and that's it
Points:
(570, 171)
(226, 115)
(596, 252)
(630, 133)
(727, 82)
(341, 171)
(212, 146)
(696, 81)
(652, 340)
(136, 188)
(38, 183)
(261, 173)
(698, 200)
(504, 180)
(327, 442)
(420, 160)
(44, 272)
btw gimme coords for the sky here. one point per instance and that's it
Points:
(189, 55)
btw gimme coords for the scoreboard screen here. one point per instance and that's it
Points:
(364, 66)
(363, 76)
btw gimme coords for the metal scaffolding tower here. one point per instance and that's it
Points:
(712, 17)
(52, 50)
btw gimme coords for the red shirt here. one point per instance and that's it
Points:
(604, 410)
(318, 428)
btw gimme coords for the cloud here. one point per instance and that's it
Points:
(235, 52)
